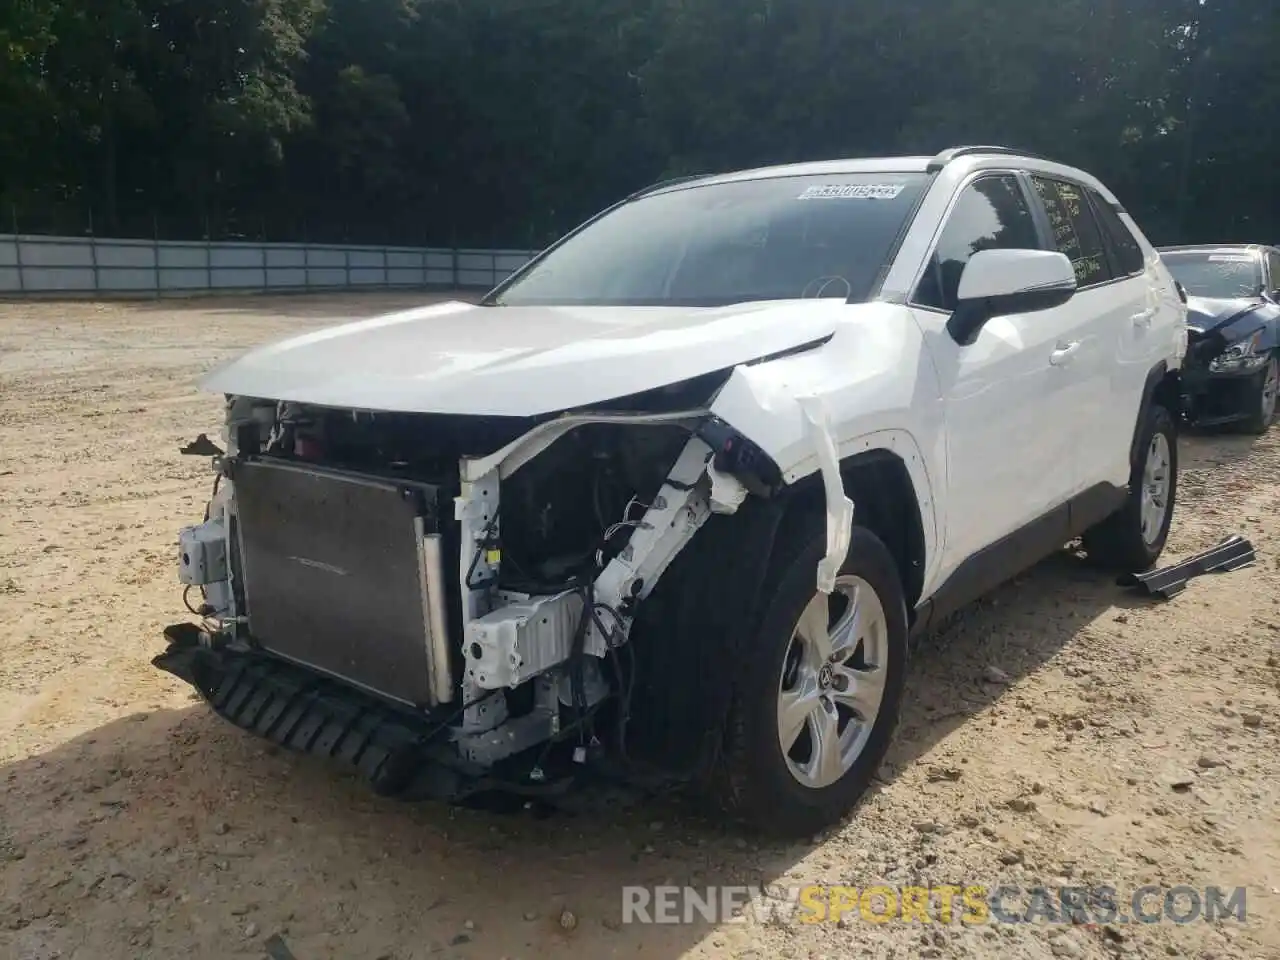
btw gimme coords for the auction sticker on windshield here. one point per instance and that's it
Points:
(852, 191)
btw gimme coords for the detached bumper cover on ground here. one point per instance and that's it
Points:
(1231, 554)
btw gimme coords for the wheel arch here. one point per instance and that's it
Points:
(703, 612)
(1164, 387)
(885, 500)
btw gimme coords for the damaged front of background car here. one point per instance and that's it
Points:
(1232, 375)
(1232, 372)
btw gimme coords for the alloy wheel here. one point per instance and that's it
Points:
(1270, 390)
(832, 682)
(1157, 480)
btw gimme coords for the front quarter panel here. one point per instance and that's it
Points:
(1170, 327)
(878, 389)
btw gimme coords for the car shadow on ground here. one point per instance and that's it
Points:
(1015, 631)
(1205, 449)
(175, 828)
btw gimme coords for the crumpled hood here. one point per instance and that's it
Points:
(1205, 314)
(517, 361)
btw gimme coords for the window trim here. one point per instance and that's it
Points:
(1114, 275)
(1019, 178)
(1098, 201)
(895, 248)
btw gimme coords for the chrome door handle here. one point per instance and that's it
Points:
(1062, 356)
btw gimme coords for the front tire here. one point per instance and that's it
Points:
(1132, 539)
(819, 689)
(1263, 400)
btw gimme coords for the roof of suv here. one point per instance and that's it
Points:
(808, 168)
(900, 164)
(1213, 248)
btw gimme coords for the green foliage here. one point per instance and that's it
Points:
(508, 121)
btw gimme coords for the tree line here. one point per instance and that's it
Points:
(506, 122)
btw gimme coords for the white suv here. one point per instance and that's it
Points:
(672, 499)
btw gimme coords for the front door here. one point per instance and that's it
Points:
(1006, 397)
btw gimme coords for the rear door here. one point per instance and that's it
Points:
(1111, 312)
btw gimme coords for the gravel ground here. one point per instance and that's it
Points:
(1062, 731)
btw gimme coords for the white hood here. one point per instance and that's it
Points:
(517, 361)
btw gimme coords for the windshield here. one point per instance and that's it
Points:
(1218, 276)
(770, 239)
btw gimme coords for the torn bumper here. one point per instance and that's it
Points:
(839, 507)
(398, 753)
(1217, 396)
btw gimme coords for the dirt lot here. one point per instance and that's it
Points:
(1132, 743)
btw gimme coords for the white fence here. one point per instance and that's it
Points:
(86, 265)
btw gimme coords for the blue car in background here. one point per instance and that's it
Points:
(1232, 369)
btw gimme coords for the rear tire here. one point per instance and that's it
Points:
(1263, 399)
(1132, 539)
(835, 701)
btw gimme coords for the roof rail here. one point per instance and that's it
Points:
(671, 182)
(1170, 247)
(953, 153)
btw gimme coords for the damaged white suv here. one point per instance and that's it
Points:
(670, 501)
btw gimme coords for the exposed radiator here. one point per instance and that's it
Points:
(343, 573)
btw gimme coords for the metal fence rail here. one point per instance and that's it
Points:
(93, 265)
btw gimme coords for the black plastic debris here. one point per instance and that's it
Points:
(277, 949)
(1231, 554)
(201, 446)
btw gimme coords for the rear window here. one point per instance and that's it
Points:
(1075, 231)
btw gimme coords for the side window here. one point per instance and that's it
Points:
(1074, 229)
(1273, 262)
(1126, 255)
(990, 214)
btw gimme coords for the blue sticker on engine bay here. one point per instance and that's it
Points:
(851, 191)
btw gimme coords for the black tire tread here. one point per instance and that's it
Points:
(1255, 424)
(743, 786)
(1116, 543)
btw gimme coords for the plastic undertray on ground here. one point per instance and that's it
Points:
(1231, 554)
